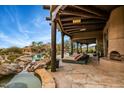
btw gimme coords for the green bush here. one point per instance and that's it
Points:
(12, 57)
(14, 50)
(90, 50)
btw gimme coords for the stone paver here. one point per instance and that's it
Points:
(83, 76)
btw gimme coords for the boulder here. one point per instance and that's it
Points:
(7, 69)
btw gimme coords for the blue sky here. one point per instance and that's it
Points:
(20, 25)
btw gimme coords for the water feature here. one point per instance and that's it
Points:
(23, 79)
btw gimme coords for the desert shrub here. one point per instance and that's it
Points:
(12, 57)
(14, 50)
(7, 62)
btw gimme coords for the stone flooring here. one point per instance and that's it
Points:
(86, 76)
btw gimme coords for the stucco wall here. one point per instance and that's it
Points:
(116, 31)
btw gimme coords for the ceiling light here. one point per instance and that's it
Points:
(83, 29)
(76, 21)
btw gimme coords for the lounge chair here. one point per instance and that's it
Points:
(80, 59)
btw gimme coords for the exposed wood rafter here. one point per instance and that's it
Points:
(61, 27)
(48, 18)
(83, 23)
(84, 27)
(46, 7)
(78, 31)
(90, 9)
(80, 14)
(56, 11)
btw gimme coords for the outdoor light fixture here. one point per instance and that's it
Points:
(76, 21)
(83, 29)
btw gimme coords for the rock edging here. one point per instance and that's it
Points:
(47, 79)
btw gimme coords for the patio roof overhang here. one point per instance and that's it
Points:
(80, 21)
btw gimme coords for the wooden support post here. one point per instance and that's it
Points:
(62, 45)
(105, 44)
(74, 47)
(81, 48)
(77, 47)
(53, 47)
(99, 48)
(71, 47)
(87, 48)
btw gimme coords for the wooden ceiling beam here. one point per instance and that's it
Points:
(84, 27)
(57, 10)
(83, 41)
(80, 14)
(48, 18)
(87, 35)
(61, 27)
(82, 18)
(90, 9)
(70, 18)
(88, 30)
(83, 23)
(46, 7)
(91, 39)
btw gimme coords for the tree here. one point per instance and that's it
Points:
(67, 45)
(58, 48)
(40, 43)
(34, 43)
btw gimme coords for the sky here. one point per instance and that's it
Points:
(20, 25)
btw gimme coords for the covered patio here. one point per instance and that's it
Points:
(100, 24)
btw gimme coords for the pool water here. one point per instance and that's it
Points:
(4, 80)
(24, 79)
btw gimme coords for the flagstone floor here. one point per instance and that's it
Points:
(86, 76)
